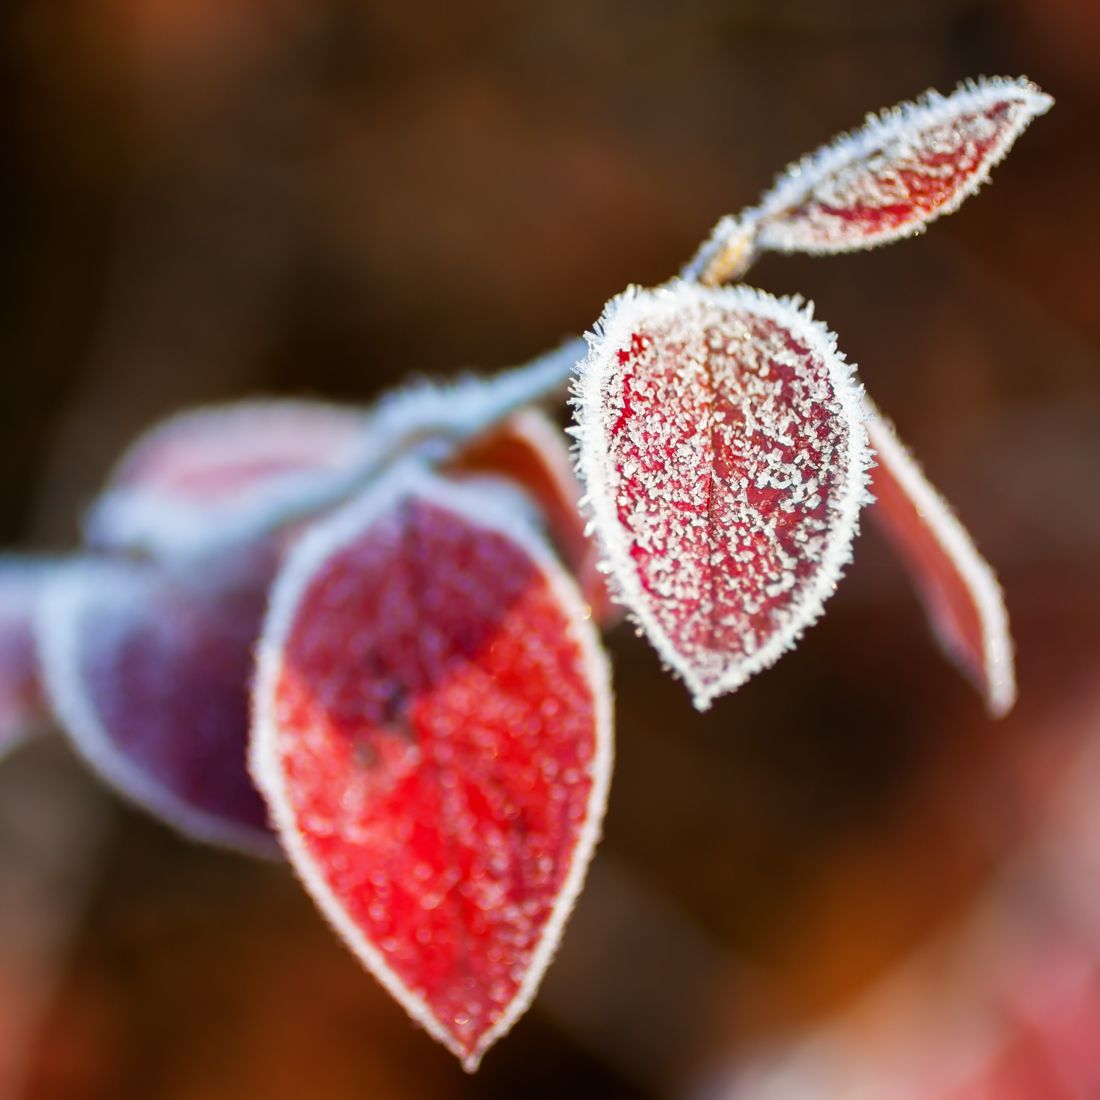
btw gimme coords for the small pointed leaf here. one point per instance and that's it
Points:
(211, 477)
(902, 170)
(723, 451)
(148, 669)
(432, 733)
(958, 588)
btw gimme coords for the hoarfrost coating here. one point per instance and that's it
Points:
(722, 448)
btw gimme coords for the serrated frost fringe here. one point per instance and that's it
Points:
(619, 320)
(428, 417)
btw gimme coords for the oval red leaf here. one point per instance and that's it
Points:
(958, 588)
(530, 449)
(722, 447)
(432, 733)
(148, 669)
(903, 169)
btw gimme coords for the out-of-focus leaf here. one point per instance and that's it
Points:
(903, 169)
(530, 449)
(211, 477)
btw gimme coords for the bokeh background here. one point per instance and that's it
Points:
(206, 199)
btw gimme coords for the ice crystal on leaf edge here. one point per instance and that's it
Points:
(620, 320)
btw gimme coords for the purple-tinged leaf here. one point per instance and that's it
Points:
(903, 169)
(959, 590)
(433, 735)
(724, 457)
(148, 668)
(23, 708)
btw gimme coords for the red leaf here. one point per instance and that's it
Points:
(432, 732)
(213, 475)
(226, 474)
(725, 460)
(1001, 1004)
(957, 586)
(148, 668)
(23, 709)
(530, 449)
(902, 170)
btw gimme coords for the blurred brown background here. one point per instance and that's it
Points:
(206, 199)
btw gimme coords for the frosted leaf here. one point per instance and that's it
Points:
(23, 708)
(903, 169)
(148, 669)
(213, 475)
(433, 735)
(959, 590)
(723, 452)
(1003, 1003)
(225, 474)
(451, 413)
(530, 449)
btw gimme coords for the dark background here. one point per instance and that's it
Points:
(205, 199)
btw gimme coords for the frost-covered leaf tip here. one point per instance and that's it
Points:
(147, 669)
(904, 168)
(23, 709)
(889, 179)
(530, 450)
(724, 456)
(432, 731)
